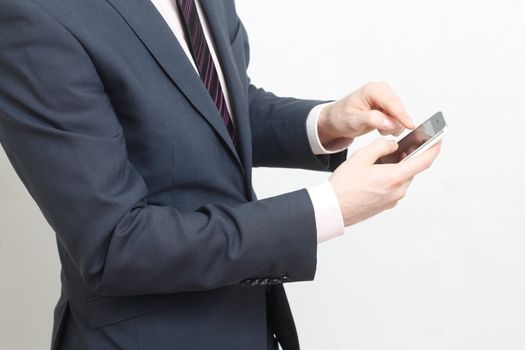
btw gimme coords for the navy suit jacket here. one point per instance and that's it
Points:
(116, 138)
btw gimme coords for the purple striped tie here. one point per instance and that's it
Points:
(203, 60)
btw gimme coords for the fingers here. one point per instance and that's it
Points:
(419, 163)
(377, 149)
(383, 123)
(381, 96)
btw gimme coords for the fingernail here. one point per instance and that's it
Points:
(412, 124)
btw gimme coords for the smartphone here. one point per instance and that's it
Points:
(418, 140)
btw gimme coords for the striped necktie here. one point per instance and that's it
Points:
(203, 60)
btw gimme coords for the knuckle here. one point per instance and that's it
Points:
(370, 86)
(396, 180)
(383, 85)
(427, 163)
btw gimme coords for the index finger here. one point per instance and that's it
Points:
(382, 96)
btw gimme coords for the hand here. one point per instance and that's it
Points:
(365, 189)
(375, 106)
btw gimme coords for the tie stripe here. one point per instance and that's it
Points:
(202, 57)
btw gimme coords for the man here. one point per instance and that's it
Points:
(135, 128)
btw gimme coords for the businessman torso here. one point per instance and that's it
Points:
(162, 242)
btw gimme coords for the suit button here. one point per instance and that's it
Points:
(255, 282)
(246, 283)
(268, 281)
(274, 281)
(250, 282)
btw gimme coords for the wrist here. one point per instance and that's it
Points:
(330, 135)
(342, 200)
(324, 126)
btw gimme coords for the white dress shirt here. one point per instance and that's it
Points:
(328, 217)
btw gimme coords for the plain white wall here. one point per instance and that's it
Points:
(443, 270)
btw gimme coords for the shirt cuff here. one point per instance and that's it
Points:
(328, 217)
(313, 134)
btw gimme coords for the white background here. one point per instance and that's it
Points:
(443, 270)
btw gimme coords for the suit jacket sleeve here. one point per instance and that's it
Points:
(278, 125)
(65, 141)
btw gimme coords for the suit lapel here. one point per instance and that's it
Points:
(155, 34)
(238, 97)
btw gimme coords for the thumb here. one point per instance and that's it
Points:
(377, 149)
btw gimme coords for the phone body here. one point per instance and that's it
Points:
(418, 140)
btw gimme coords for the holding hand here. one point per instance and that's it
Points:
(375, 106)
(365, 189)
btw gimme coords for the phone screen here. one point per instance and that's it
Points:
(415, 139)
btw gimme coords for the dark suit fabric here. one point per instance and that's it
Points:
(162, 242)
